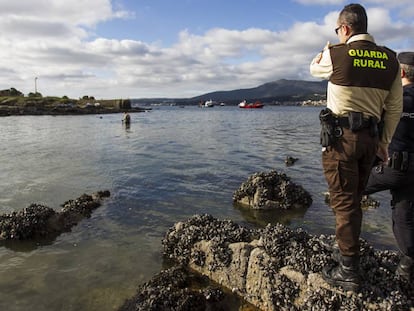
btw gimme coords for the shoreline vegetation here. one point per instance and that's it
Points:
(14, 103)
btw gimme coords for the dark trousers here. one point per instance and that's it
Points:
(401, 186)
(347, 165)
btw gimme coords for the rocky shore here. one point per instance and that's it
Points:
(19, 105)
(219, 265)
(273, 268)
(7, 112)
(38, 221)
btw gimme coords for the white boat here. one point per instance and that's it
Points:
(209, 103)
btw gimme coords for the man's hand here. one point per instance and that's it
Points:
(383, 152)
(328, 44)
(318, 57)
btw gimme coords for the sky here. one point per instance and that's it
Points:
(175, 48)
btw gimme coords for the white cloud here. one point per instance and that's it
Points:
(81, 12)
(54, 41)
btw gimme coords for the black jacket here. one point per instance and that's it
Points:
(403, 139)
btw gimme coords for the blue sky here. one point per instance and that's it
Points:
(165, 19)
(180, 48)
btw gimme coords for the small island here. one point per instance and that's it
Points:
(13, 102)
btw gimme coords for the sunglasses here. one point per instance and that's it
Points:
(337, 29)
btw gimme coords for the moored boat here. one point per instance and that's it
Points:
(209, 103)
(257, 104)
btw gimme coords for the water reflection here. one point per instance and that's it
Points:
(28, 245)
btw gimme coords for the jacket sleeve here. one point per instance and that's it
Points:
(393, 106)
(321, 65)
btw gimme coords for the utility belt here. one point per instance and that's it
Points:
(346, 123)
(400, 160)
(332, 125)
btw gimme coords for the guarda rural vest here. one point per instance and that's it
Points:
(363, 64)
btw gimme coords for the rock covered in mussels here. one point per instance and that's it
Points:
(39, 221)
(22, 225)
(179, 239)
(168, 290)
(179, 289)
(271, 190)
(277, 268)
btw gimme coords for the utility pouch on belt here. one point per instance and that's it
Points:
(399, 161)
(355, 120)
(374, 127)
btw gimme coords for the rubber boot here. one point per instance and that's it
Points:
(345, 274)
(405, 268)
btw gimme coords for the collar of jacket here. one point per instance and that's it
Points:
(361, 36)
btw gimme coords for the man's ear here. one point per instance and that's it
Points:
(348, 30)
(402, 73)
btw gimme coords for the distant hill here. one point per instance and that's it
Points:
(281, 90)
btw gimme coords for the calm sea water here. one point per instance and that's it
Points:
(170, 164)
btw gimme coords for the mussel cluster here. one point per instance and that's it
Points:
(178, 289)
(85, 204)
(168, 290)
(299, 251)
(39, 221)
(179, 240)
(271, 190)
(24, 224)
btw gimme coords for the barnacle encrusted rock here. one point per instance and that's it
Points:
(277, 268)
(271, 190)
(167, 290)
(39, 221)
(180, 289)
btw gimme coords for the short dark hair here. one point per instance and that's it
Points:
(355, 16)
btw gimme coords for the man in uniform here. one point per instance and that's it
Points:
(364, 80)
(398, 174)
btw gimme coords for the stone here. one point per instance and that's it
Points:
(271, 190)
(41, 222)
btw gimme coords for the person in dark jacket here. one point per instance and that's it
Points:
(398, 174)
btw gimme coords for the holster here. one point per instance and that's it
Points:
(399, 161)
(329, 128)
(327, 139)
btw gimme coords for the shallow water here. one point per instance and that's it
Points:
(170, 164)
